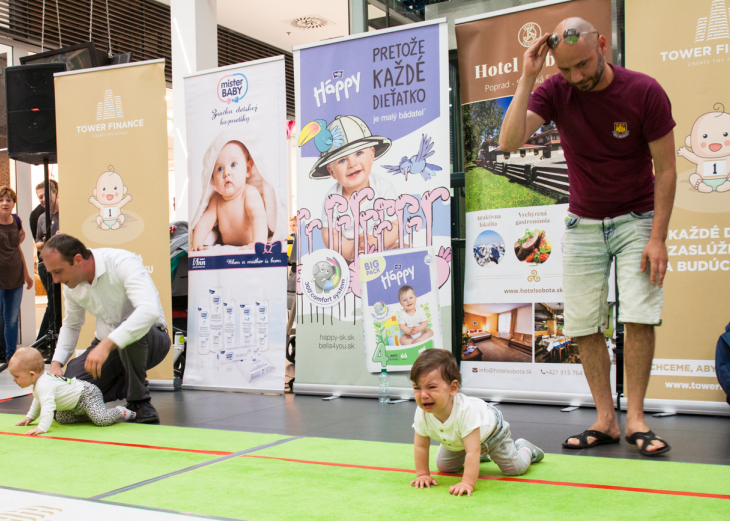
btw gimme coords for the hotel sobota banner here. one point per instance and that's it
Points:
(236, 145)
(111, 126)
(686, 47)
(513, 343)
(372, 185)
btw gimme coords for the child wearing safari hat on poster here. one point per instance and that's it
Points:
(348, 151)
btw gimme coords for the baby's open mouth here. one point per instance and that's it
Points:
(354, 173)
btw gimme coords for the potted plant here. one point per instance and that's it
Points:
(466, 338)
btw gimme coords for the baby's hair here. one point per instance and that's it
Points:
(721, 110)
(404, 289)
(432, 359)
(29, 359)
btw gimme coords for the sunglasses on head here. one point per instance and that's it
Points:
(570, 36)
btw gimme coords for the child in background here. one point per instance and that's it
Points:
(349, 161)
(468, 429)
(74, 401)
(236, 207)
(412, 319)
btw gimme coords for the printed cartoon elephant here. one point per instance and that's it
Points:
(323, 273)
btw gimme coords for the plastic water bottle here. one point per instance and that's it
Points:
(384, 394)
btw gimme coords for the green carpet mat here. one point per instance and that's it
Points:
(157, 435)
(665, 475)
(259, 489)
(81, 469)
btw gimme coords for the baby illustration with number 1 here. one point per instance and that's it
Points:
(233, 210)
(710, 151)
(109, 198)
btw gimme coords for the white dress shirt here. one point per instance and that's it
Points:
(122, 298)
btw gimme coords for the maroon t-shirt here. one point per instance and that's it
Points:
(605, 137)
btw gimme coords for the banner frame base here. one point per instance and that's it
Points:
(533, 397)
(231, 389)
(164, 385)
(684, 407)
(350, 391)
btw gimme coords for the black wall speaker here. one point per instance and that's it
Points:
(31, 107)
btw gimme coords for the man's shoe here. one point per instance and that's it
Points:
(146, 413)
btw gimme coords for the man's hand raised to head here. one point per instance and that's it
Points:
(96, 358)
(534, 58)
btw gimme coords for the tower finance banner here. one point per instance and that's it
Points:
(513, 343)
(372, 181)
(111, 125)
(237, 314)
(691, 63)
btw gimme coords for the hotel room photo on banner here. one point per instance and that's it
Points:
(236, 143)
(373, 176)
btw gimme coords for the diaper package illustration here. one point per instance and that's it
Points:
(400, 307)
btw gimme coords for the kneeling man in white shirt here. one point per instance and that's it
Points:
(131, 334)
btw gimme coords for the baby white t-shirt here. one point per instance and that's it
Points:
(466, 415)
(53, 393)
(412, 320)
(383, 189)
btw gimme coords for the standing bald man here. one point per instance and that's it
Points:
(613, 123)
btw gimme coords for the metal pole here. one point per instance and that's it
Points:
(49, 279)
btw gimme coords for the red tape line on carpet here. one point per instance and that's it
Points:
(388, 469)
(14, 397)
(194, 451)
(506, 478)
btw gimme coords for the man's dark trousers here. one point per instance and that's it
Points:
(124, 374)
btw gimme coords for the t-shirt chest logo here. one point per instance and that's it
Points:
(620, 130)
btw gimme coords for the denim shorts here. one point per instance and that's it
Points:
(589, 246)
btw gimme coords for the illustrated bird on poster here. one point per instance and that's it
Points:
(417, 164)
(323, 138)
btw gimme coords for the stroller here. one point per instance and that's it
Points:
(179, 275)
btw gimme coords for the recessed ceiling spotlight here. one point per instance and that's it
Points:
(313, 21)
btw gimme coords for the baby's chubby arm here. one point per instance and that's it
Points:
(257, 214)
(420, 327)
(96, 203)
(406, 331)
(689, 156)
(473, 447)
(423, 479)
(124, 201)
(205, 224)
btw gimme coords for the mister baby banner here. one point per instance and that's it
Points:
(111, 126)
(236, 144)
(513, 344)
(692, 63)
(373, 177)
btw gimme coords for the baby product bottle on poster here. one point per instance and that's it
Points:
(229, 321)
(203, 330)
(246, 324)
(262, 325)
(216, 317)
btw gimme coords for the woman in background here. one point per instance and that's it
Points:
(13, 270)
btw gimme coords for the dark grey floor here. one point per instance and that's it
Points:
(694, 439)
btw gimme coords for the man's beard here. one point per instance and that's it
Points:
(590, 83)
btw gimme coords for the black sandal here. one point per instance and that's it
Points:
(647, 437)
(601, 439)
